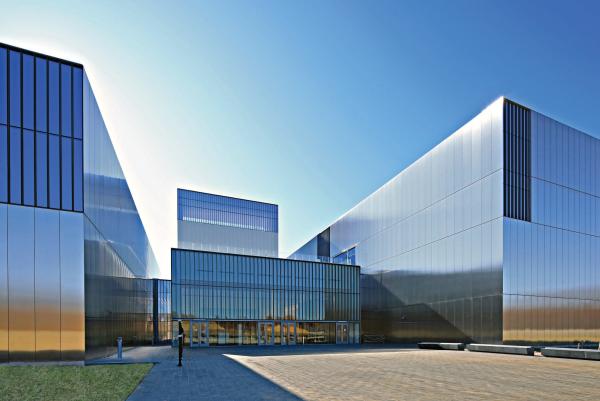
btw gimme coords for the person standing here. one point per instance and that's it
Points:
(180, 339)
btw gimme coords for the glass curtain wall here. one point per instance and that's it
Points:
(225, 287)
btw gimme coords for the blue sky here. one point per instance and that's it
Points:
(309, 104)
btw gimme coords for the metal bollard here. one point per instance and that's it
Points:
(119, 348)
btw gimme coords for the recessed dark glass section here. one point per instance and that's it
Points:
(41, 95)
(28, 92)
(15, 88)
(41, 169)
(517, 161)
(15, 165)
(53, 97)
(54, 171)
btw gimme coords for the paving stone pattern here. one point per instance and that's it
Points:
(364, 373)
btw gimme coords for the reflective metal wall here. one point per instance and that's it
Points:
(118, 256)
(209, 222)
(430, 241)
(41, 284)
(551, 265)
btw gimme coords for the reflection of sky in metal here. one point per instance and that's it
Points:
(108, 202)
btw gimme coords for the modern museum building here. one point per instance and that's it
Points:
(73, 251)
(492, 236)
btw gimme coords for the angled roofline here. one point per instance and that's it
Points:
(36, 54)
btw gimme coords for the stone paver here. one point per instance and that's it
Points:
(429, 375)
(360, 373)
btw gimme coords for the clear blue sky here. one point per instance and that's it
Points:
(308, 104)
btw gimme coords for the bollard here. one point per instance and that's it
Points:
(119, 348)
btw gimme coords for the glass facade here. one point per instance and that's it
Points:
(492, 236)
(29, 149)
(201, 207)
(209, 222)
(233, 292)
(162, 311)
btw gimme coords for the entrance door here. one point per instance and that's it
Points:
(198, 333)
(341, 333)
(266, 333)
(288, 333)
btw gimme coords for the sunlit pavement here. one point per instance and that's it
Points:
(360, 373)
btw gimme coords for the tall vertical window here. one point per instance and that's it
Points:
(41, 95)
(15, 165)
(517, 161)
(41, 175)
(3, 164)
(53, 97)
(3, 86)
(54, 171)
(67, 173)
(15, 88)
(28, 91)
(78, 103)
(28, 168)
(78, 175)
(65, 100)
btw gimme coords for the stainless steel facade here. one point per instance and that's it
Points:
(442, 257)
(68, 223)
(209, 222)
(551, 266)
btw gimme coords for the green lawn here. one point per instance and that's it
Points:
(101, 382)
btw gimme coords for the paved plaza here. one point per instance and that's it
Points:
(360, 373)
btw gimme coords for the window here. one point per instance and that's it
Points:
(28, 91)
(42, 169)
(41, 95)
(78, 103)
(65, 100)
(67, 173)
(54, 171)
(517, 161)
(15, 88)
(3, 86)
(53, 97)
(78, 175)
(28, 166)
(3, 164)
(15, 165)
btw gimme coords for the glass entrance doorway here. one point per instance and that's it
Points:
(288, 333)
(198, 333)
(266, 333)
(341, 333)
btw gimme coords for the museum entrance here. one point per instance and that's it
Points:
(266, 333)
(288, 333)
(341, 333)
(198, 333)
